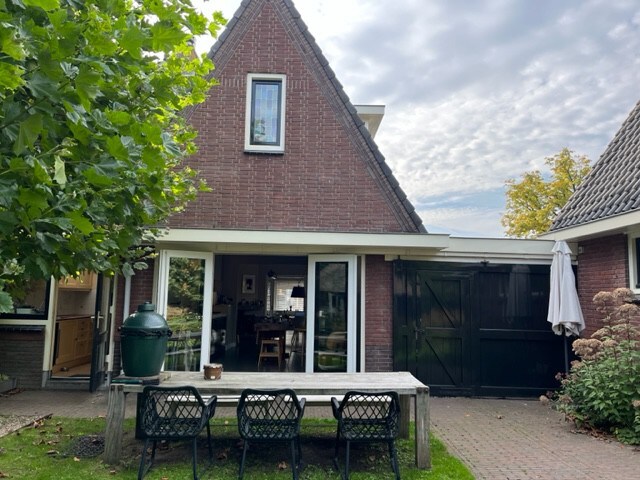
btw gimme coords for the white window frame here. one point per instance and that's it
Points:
(634, 273)
(248, 146)
(352, 295)
(162, 293)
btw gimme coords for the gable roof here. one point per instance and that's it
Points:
(612, 188)
(345, 111)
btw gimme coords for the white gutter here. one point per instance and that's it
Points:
(254, 241)
(611, 225)
(409, 246)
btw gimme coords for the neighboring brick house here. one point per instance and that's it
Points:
(306, 223)
(603, 218)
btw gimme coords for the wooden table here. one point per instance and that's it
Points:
(233, 383)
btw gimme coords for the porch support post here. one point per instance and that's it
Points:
(423, 454)
(113, 429)
(405, 416)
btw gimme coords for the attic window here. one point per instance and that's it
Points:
(264, 117)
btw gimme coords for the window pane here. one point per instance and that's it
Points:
(331, 317)
(265, 112)
(184, 313)
(282, 288)
(30, 297)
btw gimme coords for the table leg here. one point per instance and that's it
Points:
(113, 429)
(405, 416)
(423, 454)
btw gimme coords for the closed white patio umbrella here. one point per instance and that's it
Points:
(564, 314)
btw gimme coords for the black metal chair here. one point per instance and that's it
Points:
(367, 417)
(173, 413)
(271, 416)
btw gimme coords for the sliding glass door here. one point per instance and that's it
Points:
(331, 313)
(185, 286)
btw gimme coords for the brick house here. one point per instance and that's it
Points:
(603, 218)
(306, 232)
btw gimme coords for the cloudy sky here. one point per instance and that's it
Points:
(480, 91)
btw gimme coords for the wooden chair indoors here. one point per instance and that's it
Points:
(173, 413)
(272, 347)
(269, 416)
(367, 417)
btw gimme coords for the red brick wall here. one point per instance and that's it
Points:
(379, 315)
(21, 356)
(321, 183)
(602, 265)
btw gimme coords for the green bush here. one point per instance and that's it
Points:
(602, 390)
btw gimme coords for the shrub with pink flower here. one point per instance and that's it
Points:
(602, 390)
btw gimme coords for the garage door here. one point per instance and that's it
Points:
(475, 329)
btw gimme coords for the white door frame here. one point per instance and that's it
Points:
(164, 258)
(352, 299)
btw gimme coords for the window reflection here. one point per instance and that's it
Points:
(30, 300)
(331, 317)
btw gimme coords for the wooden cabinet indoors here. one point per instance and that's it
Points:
(83, 282)
(73, 342)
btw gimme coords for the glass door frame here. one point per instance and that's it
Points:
(352, 307)
(164, 260)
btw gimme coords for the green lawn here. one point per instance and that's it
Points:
(58, 449)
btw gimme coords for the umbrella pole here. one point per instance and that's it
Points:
(566, 352)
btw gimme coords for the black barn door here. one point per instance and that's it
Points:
(475, 329)
(432, 328)
(442, 331)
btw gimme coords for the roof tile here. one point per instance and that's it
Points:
(612, 187)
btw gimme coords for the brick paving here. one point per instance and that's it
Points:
(497, 439)
(526, 440)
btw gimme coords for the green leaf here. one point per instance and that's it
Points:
(49, 242)
(166, 36)
(10, 76)
(80, 133)
(42, 86)
(40, 173)
(46, 5)
(132, 41)
(8, 221)
(97, 177)
(170, 145)
(30, 129)
(6, 302)
(58, 18)
(117, 149)
(81, 222)
(11, 46)
(8, 192)
(118, 118)
(87, 86)
(32, 198)
(59, 175)
(70, 70)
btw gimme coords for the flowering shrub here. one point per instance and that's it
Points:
(602, 389)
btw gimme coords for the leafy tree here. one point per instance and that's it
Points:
(534, 201)
(91, 137)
